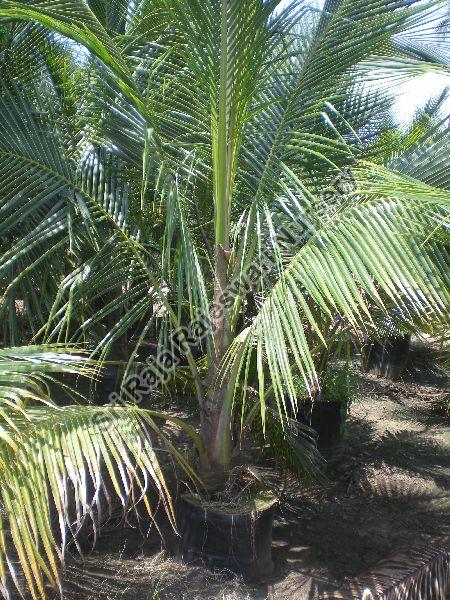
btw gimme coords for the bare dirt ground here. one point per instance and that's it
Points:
(388, 487)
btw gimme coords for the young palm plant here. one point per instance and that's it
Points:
(211, 158)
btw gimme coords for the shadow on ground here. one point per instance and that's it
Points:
(386, 490)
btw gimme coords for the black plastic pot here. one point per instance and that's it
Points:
(327, 419)
(238, 543)
(388, 358)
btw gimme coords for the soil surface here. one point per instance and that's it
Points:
(387, 488)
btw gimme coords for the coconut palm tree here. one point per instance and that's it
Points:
(203, 166)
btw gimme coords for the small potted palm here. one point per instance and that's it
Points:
(211, 167)
(327, 413)
(387, 356)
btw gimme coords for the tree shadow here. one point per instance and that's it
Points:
(347, 527)
(408, 449)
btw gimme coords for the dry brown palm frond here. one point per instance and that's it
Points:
(418, 573)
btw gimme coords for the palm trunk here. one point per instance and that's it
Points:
(216, 410)
(215, 424)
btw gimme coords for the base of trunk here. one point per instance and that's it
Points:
(238, 542)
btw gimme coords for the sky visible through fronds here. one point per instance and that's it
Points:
(414, 94)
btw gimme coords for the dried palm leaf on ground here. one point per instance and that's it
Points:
(418, 573)
(151, 578)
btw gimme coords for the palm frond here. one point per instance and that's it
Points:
(96, 453)
(26, 371)
(74, 19)
(372, 252)
(418, 572)
(293, 444)
(65, 468)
